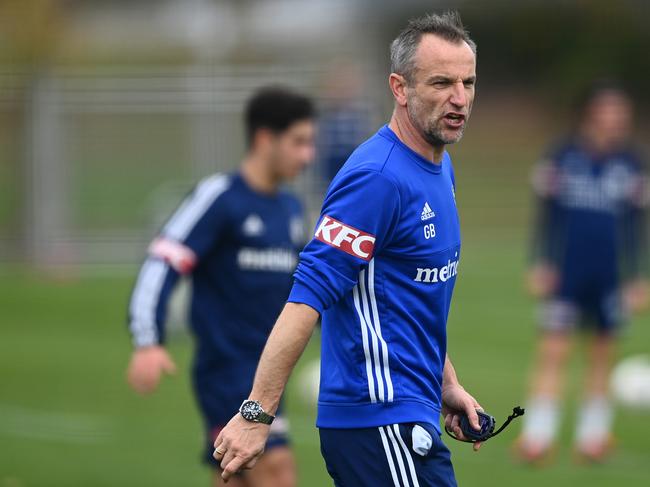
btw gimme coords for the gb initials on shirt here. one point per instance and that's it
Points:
(429, 231)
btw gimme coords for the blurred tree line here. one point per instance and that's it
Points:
(560, 46)
(551, 46)
(29, 30)
(557, 47)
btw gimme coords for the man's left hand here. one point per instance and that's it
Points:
(456, 401)
(636, 296)
(239, 445)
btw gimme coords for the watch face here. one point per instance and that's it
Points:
(250, 410)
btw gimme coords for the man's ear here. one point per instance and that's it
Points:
(397, 84)
(262, 139)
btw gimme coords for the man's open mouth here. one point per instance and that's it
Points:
(454, 119)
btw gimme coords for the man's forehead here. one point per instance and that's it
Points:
(436, 55)
(611, 98)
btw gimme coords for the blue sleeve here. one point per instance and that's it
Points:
(634, 238)
(148, 304)
(188, 236)
(452, 175)
(201, 218)
(297, 223)
(546, 241)
(359, 216)
(634, 231)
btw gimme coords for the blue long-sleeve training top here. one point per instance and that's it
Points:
(592, 214)
(381, 270)
(240, 248)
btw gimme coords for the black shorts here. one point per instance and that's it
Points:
(387, 456)
(596, 308)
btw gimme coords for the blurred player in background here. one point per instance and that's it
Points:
(381, 270)
(590, 256)
(344, 119)
(237, 236)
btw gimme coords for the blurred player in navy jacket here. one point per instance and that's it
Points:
(590, 256)
(238, 237)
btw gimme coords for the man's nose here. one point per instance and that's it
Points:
(458, 96)
(309, 156)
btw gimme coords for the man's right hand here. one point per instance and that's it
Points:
(542, 280)
(636, 296)
(146, 367)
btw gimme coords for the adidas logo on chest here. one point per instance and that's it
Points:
(253, 226)
(427, 212)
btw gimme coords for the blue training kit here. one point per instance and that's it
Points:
(240, 248)
(591, 228)
(381, 270)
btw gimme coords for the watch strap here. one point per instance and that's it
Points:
(265, 418)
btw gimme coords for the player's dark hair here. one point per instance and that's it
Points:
(276, 108)
(447, 25)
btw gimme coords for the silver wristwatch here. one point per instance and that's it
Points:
(252, 411)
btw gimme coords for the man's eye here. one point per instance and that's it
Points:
(469, 84)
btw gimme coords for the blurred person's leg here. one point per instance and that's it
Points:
(595, 416)
(593, 430)
(276, 468)
(601, 352)
(237, 481)
(552, 354)
(542, 419)
(219, 387)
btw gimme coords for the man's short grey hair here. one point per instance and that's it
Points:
(448, 26)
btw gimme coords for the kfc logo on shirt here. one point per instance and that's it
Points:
(348, 239)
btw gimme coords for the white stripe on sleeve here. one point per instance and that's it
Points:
(373, 333)
(144, 302)
(366, 349)
(195, 206)
(377, 323)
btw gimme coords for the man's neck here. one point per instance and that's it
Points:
(597, 145)
(400, 123)
(257, 175)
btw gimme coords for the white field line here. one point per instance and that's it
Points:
(60, 427)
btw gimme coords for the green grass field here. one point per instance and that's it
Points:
(68, 419)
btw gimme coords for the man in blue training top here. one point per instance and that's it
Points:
(380, 271)
(590, 266)
(238, 237)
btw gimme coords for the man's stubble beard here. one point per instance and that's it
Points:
(432, 134)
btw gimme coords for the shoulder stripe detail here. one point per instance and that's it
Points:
(144, 302)
(195, 206)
